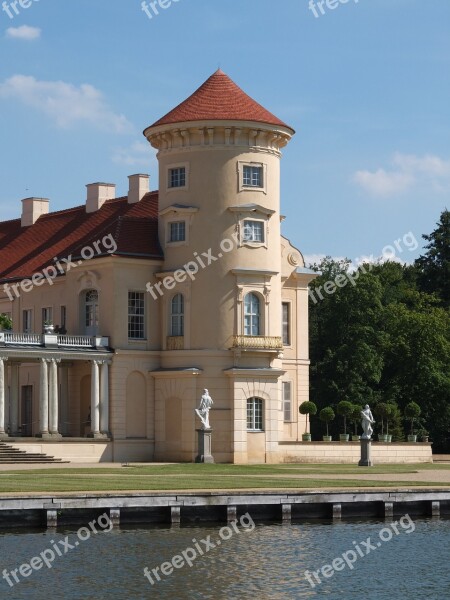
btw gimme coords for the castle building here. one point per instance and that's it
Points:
(125, 309)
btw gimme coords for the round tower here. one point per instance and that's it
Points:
(219, 205)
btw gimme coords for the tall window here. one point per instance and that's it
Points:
(177, 316)
(136, 315)
(177, 231)
(252, 315)
(287, 401)
(177, 177)
(286, 324)
(27, 317)
(253, 231)
(255, 414)
(63, 317)
(253, 176)
(91, 312)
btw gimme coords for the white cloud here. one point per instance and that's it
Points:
(138, 154)
(407, 171)
(24, 32)
(65, 103)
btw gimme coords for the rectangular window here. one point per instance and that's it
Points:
(177, 231)
(287, 402)
(47, 316)
(255, 414)
(286, 324)
(136, 315)
(27, 317)
(252, 176)
(253, 231)
(63, 317)
(177, 177)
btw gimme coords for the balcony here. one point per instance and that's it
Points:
(257, 342)
(45, 340)
(175, 342)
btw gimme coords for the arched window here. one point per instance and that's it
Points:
(91, 312)
(252, 315)
(255, 414)
(177, 316)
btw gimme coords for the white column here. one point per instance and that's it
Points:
(64, 399)
(14, 398)
(43, 399)
(95, 399)
(104, 401)
(53, 397)
(2, 396)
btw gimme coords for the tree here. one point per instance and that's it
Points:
(355, 416)
(380, 411)
(345, 408)
(412, 413)
(5, 322)
(307, 408)
(434, 265)
(327, 415)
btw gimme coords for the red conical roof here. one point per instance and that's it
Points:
(219, 99)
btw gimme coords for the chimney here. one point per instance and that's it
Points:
(139, 185)
(98, 194)
(32, 209)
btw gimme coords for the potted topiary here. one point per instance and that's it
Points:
(344, 408)
(307, 408)
(424, 435)
(355, 418)
(391, 411)
(412, 413)
(326, 415)
(380, 411)
(5, 323)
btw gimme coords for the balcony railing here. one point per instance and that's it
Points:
(52, 340)
(175, 342)
(257, 342)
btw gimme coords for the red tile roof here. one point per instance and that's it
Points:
(219, 98)
(27, 250)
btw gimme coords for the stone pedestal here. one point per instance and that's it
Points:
(204, 446)
(366, 453)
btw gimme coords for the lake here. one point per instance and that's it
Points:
(374, 560)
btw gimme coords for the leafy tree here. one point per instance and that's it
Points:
(5, 322)
(308, 408)
(345, 408)
(434, 265)
(327, 415)
(412, 413)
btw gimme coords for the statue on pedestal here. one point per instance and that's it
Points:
(203, 410)
(367, 422)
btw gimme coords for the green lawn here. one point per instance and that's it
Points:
(209, 477)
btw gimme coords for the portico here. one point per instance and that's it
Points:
(55, 356)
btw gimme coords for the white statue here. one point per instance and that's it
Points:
(203, 410)
(367, 422)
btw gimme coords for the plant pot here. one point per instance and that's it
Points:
(356, 438)
(412, 438)
(389, 439)
(327, 438)
(344, 437)
(49, 329)
(382, 437)
(425, 438)
(306, 437)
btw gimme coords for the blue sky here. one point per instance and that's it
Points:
(366, 85)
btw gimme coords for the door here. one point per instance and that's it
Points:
(26, 414)
(91, 312)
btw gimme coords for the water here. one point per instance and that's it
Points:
(264, 563)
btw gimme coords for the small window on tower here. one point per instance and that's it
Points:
(177, 231)
(253, 176)
(177, 177)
